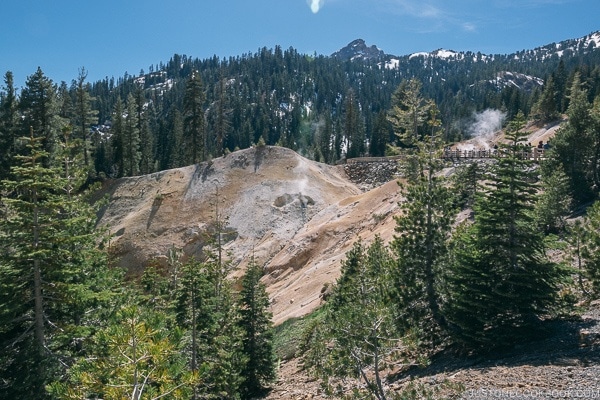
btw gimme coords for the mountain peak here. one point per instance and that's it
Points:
(358, 49)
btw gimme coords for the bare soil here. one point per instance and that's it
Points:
(563, 363)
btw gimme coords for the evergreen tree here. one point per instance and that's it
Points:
(593, 173)
(324, 138)
(131, 139)
(590, 246)
(546, 109)
(358, 328)
(573, 143)
(502, 282)
(194, 307)
(464, 184)
(206, 311)
(193, 116)
(555, 200)
(118, 139)
(146, 142)
(8, 124)
(50, 271)
(85, 116)
(353, 127)
(420, 247)
(38, 106)
(176, 158)
(222, 124)
(64, 102)
(257, 333)
(137, 356)
(409, 112)
(381, 135)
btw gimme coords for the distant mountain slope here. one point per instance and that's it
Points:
(358, 49)
(299, 101)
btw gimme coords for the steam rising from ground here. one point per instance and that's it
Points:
(315, 5)
(482, 129)
(486, 123)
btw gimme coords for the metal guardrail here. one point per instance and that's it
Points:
(533, 153)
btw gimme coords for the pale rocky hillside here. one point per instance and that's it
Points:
(296, 217)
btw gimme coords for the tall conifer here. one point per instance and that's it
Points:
(257, 332)
(193, 112)
(423, 229)
(49, 269)
(8, 124)
(502, 282)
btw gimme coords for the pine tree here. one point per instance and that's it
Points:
(465, 183)
(50, 271)
(546, 109)
(222, 124)
(573, 143)
(227, 358)
(554, 202)
(409, 112)
(194, 307)
(137, 356)
(358, 328)
(118, 139)
(501, 282)
(593, 175)
(324, 138)
(381, 135)
(353, 127)
(176, 158)
(590, 246)
(39, 108)
(193, 116)
(8, 124)
(206, 311)
(146, 140)
(257, 333)
(131, 139)
(420, 247)
(85, 116)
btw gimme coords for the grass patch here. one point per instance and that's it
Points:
(287, 335)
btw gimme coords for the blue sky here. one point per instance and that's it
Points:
(111, 37)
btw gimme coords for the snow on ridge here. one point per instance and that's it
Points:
(420, 54)
(393, 63)
(593, 38)
(439, 53)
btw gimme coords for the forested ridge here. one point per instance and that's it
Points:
(72, 326)
(325, 107)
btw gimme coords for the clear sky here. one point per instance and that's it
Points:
(111, 37)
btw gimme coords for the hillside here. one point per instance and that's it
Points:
(298, 218)
(295, 216)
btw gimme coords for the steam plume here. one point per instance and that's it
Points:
(487, 123)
